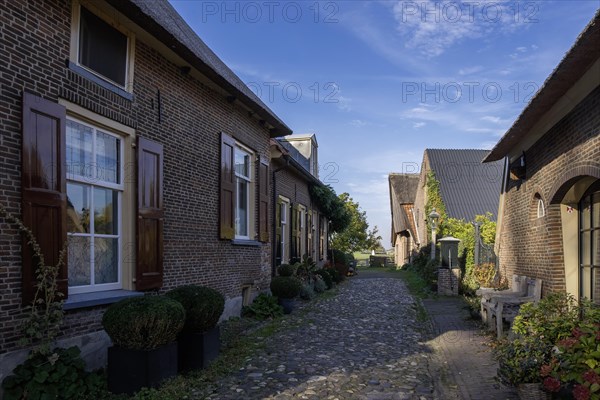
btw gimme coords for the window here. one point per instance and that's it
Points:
(283, 230)
(243, 175)
(302, 221)
(589, 246)
(102, 49)
(94, 163)
(541, 209)
(322, 222)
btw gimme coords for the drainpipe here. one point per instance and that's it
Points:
(274, 213)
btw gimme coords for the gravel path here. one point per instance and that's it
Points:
(364, 343)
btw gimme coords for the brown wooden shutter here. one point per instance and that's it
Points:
(227, 195)
(295, 231)
(43, 182)
(149, 269)
(263, 201)
(309, 236)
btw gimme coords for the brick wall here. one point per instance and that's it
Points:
(533, 246)
(34, 44)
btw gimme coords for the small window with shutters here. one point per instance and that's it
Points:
(244, 191)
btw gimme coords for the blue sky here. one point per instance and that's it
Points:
(380, 81)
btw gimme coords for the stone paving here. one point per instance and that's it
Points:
(364, 343)
(367, 343)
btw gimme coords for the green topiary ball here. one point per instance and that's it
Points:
(286, 270)
(286, 287)
(144, 323)
(203, 306)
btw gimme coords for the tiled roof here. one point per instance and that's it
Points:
(403, 189)
(161, 20)
(467, 186)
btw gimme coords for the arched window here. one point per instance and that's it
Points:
(541, 209)
(589, 244)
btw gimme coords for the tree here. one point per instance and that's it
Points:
(357, 236)
(332, 206)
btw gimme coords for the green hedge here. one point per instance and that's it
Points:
(203, 306)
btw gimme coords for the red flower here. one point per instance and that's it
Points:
(581, 392)
(545, 370)
(591, 376)
(552, 384)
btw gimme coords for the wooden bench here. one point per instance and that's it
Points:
(506, 307)
(518, 289)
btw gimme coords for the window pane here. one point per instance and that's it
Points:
(585, 247)
(78, 208)
(108, 149)
(242, 208)
(106, 258)
(242, 163)
(106, 211)
(79, 261)
(586, 281)
(102, 48)
(79, 150)
(596, 210)
(596, 250)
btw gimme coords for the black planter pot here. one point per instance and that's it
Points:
(287, 304)
(130, 370)
(198, 350)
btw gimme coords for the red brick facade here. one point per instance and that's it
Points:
(34, 44)
(567, 152)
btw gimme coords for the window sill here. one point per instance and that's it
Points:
(99, 81)
(246, 242)
(83, 300)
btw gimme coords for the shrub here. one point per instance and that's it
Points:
(144, 323)
(286, 270)
(307, 291)
(203, 306)
(338, 256)
(59, 374)
(263, 307)
(286, 287)
(550, 319)
(306, 269)
(326, 277)
(335, 274)
(520, 360)
(576, 365)
(484, 274)
(320, 285)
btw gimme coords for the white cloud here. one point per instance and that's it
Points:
(358, 123)
(343, 103)
(418, 125)
(491, 118)
(470, 70)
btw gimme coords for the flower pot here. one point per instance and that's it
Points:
(130, 370)
(197, 350)
(287, 304)
(532, 391)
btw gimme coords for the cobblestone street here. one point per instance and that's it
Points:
(365, 343)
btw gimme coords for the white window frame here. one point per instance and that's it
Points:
(250, 195)
(541, 209)
(285, 228)
(93, 182)
(115, 23)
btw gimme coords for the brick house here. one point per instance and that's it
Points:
(468, 188)
(118, 107)
(300, 227)
(405, 237)
(549, 212)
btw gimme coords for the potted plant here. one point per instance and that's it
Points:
(519, 363)
(143, 331)
(286, 288)
(199, 341)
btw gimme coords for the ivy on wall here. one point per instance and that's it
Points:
(434, 200)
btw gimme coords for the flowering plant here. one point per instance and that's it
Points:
(575, 366)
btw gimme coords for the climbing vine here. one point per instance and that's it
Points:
(45, 314)
(434, 200)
